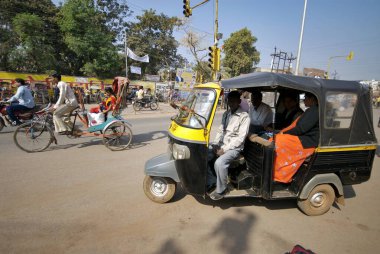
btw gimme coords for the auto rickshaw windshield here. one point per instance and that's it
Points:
(196, 109)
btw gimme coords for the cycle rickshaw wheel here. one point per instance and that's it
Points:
(117, 136)
(32, 137)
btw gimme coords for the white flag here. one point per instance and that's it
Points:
(135, 69)
(132, 55)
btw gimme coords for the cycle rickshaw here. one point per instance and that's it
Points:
(344, 156)
(116, 133)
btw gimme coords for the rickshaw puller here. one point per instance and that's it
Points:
(229, 142)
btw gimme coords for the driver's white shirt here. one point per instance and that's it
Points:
(233, 130)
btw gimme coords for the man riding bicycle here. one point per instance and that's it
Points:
(66, 103)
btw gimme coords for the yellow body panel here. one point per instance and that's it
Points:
(343, 149)
(196, 135)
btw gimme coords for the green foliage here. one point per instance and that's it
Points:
(240, 54)
(33, 52)
(10, 42)
(152, 34)
(86, 34)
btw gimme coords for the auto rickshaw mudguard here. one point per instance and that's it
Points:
(162, 165)
(330, 178)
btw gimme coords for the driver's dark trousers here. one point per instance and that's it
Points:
(16, 107)
(221, 166)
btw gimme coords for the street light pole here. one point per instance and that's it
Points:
(301, 38)
(126, 54)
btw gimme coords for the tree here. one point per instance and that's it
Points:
(114, 13)
(194, 43)
(240, 54)
(152, 34)
(33, 52)
(87, 35)
(43, 9)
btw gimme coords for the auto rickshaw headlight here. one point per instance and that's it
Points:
(181, 152)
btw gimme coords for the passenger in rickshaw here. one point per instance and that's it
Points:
(297, 142)
(292, 110)
(261, 114)
(229, 142)
(107, 104)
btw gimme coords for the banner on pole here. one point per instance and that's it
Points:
(135, 69)
(132, 55)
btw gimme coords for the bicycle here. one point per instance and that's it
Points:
(38, 134)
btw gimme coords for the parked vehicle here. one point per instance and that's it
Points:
(343, 157)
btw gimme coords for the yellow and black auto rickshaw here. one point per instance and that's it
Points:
(345, 154)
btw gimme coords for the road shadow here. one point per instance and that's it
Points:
(138, 141)
(6, 132)
(227, 203)
(349, 191)
(146, 137)
(179, 194)
(170, 247)
(233, 233)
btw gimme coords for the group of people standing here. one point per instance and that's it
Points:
(296, 141)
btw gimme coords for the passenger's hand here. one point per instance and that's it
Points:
(220, 152)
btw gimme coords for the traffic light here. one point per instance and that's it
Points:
(187, 11)
(350, 56)
(214, 60)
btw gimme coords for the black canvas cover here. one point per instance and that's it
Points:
(359, 132)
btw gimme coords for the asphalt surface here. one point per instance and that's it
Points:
(79, 197)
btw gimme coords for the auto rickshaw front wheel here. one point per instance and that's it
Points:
(159, 189)
(319, 200)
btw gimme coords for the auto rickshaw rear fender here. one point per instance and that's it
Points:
(330, 178)
(162, 165)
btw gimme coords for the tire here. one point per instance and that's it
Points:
(117, 136)
(32, 137)
(137, 106)
(154, 105)
(319, 200)
(159, 189)
(2, 123)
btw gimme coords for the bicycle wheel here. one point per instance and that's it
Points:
(154, 105)
(32, 137)
(137, 106)
(117, 136)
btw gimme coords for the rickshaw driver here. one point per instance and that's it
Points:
(229, 142)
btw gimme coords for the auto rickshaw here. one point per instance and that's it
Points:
(344, 156)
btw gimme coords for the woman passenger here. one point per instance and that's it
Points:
(297, 142)
(108, 103)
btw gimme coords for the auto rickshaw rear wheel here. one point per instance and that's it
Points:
(319, 200)
(159, 189)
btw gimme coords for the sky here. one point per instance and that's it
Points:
(332, 28)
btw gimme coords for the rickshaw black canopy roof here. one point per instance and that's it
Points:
(361, 130)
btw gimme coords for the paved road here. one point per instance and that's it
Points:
(79, 197)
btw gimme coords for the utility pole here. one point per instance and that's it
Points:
(301, 38)
(281, 57)
(126, 54)
(216, 39)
